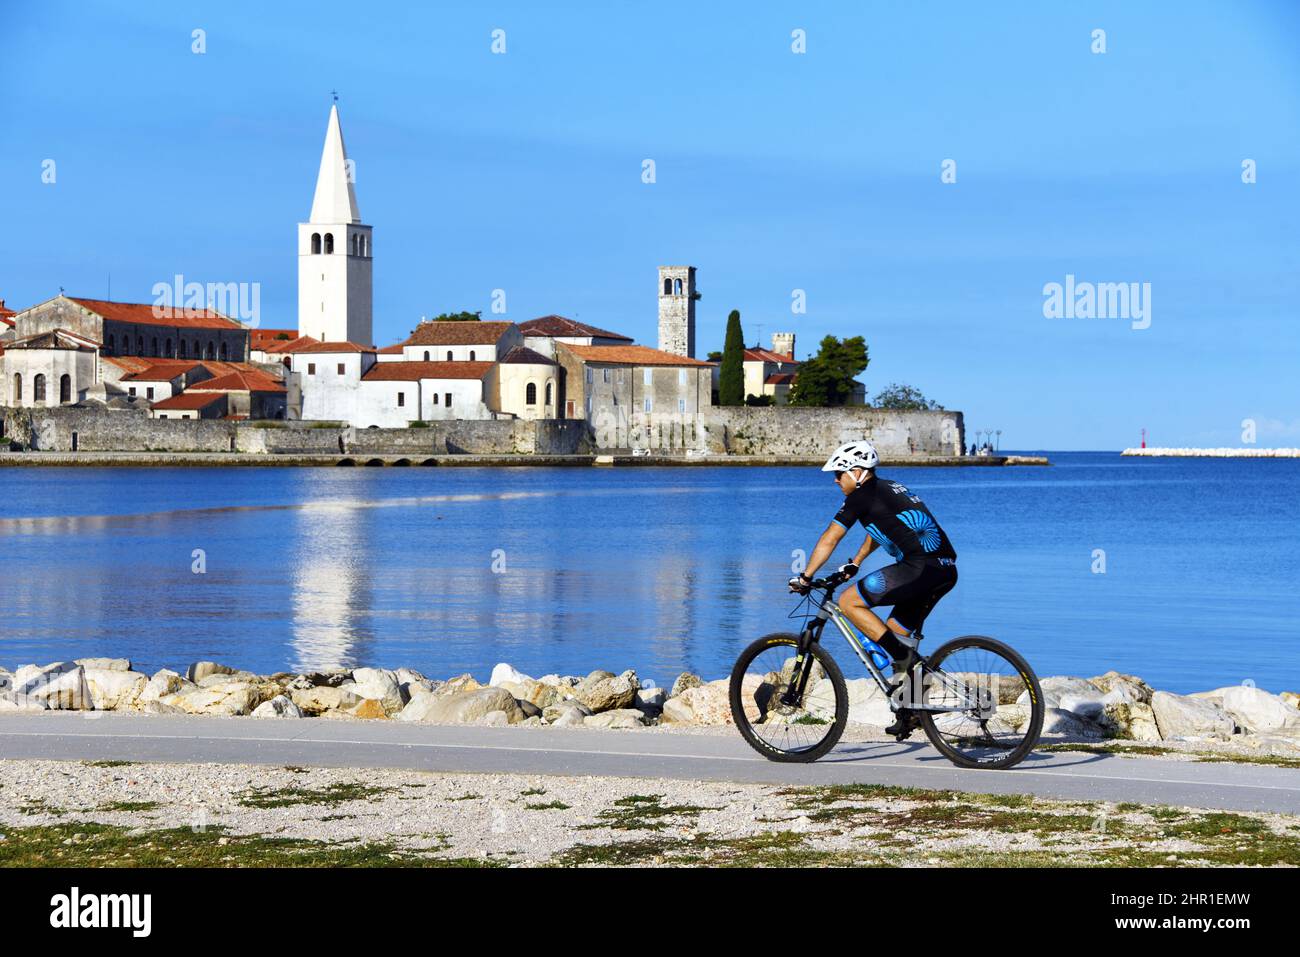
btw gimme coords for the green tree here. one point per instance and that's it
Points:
(904, 397)
(731, 377)
(827, 378)
(458, 317)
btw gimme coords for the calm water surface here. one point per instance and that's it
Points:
(659, 569)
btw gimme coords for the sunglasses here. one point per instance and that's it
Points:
(837, 476)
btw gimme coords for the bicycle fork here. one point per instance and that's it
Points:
(803, 661)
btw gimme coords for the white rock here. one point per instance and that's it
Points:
(379, 685)
(504, 672)
(464, 708)
(1131, 720)
(567, 718)
(1057, 687)
(1257, 711)
(278, 707)
(9, 701)
(105, 664)
(161, 685)
(201, 669)
(321, 699)
(413, 682)
(1068, 724)
(494, 719)
(619, 718)
(62, 686)
(1180, 716)
(113, 690)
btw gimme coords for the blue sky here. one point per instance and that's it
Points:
(775, 172)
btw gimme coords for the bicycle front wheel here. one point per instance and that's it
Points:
(993, 705)
(779, 723)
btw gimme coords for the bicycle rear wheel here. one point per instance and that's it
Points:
(997, 705)
(798, 731)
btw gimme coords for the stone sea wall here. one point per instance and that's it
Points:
(1112, 705)
(777, 431)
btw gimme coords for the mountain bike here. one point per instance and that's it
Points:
(976, 698)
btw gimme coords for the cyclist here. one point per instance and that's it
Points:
(925, 567)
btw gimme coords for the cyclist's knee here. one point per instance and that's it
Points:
(849, 598)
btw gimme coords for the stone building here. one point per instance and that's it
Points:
(677, 310)
(543, 333)
(61, 350)
(771, 371)
(606, 384)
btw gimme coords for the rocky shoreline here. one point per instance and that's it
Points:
(1108, 706)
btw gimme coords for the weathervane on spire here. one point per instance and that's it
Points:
(335, 94)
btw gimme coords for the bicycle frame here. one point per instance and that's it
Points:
(829, 611)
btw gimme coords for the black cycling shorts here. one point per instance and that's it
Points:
(913, 588)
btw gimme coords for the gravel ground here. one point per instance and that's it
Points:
(547, 819)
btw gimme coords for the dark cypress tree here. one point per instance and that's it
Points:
(731, 377)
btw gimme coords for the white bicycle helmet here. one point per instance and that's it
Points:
(852, 455)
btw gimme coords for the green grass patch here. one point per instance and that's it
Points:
(330, 796)
(643, 812)
(130, 806)
(550, 806)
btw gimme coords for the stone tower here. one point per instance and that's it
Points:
(677, 310)
(334, 253)
(783, 343)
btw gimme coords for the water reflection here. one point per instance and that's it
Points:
(332, 587)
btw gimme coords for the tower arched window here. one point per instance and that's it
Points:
(65, 388)
(668, 287)
(530, 394)
(139, 345)
(111, 345)
(365, 245)
(38, 388)
(329, 244)
(448, 355)
(225, 353)
(212, 351)
(167, 350)
(180, 343)
(315, 244)
(471, 355)
(153, 346)
(426, 355)
(18, 387)
(549, 386)
(677, 287)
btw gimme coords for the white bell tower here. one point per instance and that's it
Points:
(334, 253)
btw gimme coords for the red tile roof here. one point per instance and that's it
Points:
(767, 355)
(780, 378)
(393, 350)
(522, 354)
(315, 346)
(563, 326)
(262, 338)
(5, 311)
(414, 371)
(189, 400)
(239, 380)
(457, 333)
(163, 371)
(146, 314)
(279, 347)
(630, 355)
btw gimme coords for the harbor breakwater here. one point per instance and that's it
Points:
(1226, 453)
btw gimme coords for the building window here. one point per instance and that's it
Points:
(167, 351)
(225, 352)
(604, 373)
(681, 377)
(181, 345)
(668, 287)
(329, 244)
(435, 398)
(148, 393)
(548, 392)
(212, 350)
(647, 404)
(648, 379)
(471, 355)
(681, 405)
(530, 394)
(18, 387)
(588, 375)
(311, 368)
(315, 244)
(426, 355)
(139, 345)
(38, 389)
(448, 355)
(111, 345)
(677, 287)
(132, 391)
(401, 399)
(153, 346)
(342, 369)
(447, 403)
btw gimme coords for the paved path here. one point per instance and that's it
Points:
(647, 754)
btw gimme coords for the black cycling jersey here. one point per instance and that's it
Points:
(895, 519)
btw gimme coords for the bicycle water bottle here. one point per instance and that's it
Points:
(879, 656)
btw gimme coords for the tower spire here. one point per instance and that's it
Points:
(335, 200)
